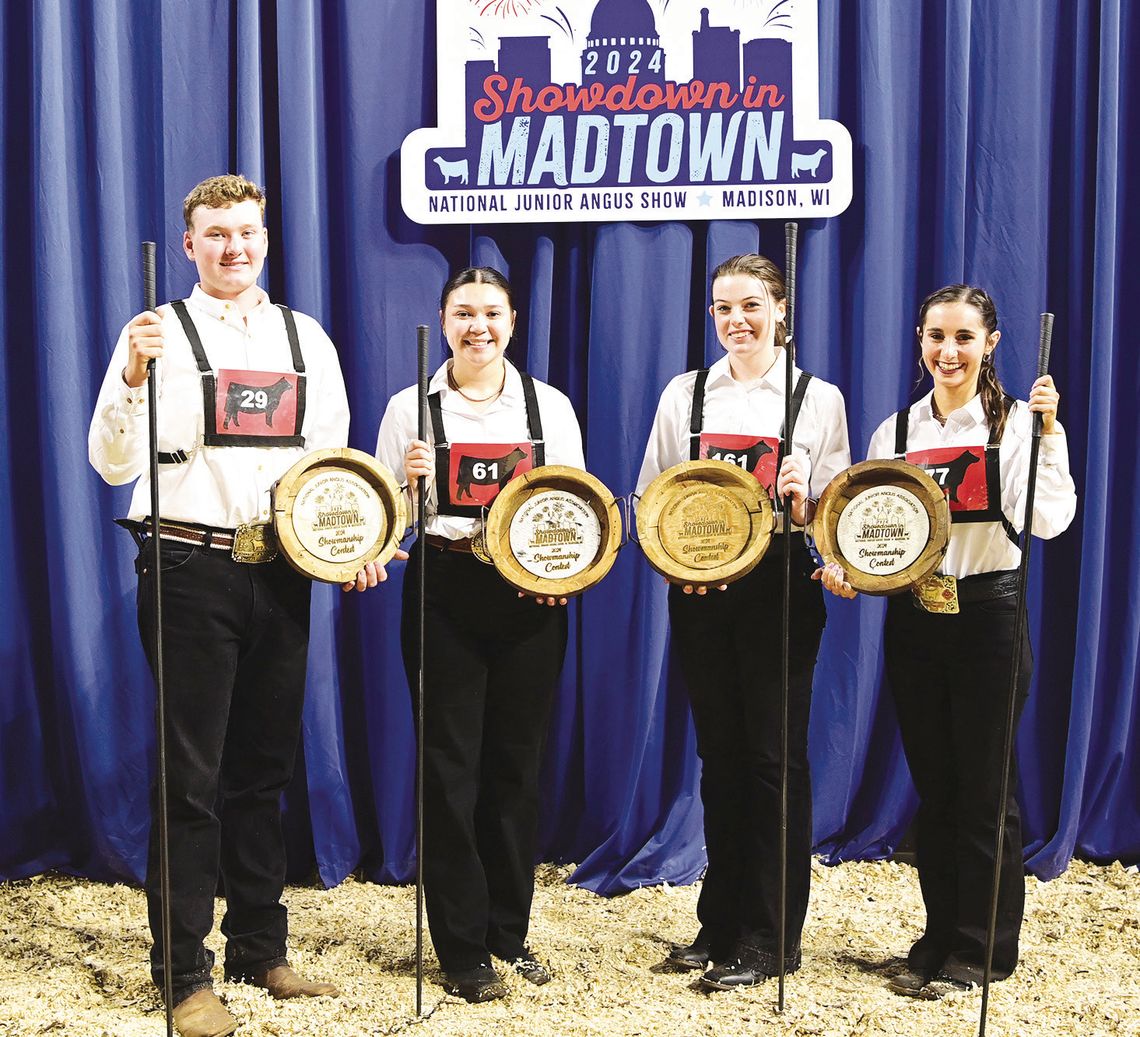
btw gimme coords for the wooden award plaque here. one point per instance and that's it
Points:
(705, 523)
(336, 510)
(886, 522)
(553, 531)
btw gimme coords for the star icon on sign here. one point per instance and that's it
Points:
(704, 198)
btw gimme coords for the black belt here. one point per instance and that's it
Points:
(463, 544)
(987, 586)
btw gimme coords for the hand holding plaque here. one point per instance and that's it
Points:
(705, 523)
(553, 531)
(885, 522)
(335, 511)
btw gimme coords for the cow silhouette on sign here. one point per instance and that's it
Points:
(751, 456)
(504, 467)
(237, 394)
(955, 471)
(806, 163)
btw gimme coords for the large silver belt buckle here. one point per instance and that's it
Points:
(254, 542)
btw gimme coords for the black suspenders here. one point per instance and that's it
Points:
(443, 447)
(210, 387)
(993, 469)
(697, 415)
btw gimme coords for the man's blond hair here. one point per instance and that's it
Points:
(220, 192)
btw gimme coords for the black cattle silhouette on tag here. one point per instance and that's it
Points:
(502, 467)
(955, 472)
(751, 456)
(238, 394)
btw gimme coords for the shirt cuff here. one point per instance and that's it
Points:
(1054, 448)
(132, 400)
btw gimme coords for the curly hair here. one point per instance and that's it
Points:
(220, 192)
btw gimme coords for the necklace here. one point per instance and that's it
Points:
(452, 383)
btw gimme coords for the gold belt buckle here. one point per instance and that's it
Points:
(254, 542)
(937, 593)
(479, 547)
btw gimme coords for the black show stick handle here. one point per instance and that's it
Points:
(1044, 346)
(791, 233)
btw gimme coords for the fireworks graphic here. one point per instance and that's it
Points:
(505, 8)
(779, 11)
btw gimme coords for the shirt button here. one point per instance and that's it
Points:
(122, 432)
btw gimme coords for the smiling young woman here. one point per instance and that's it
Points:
(726, 640)
(493, 658)
(948, 670)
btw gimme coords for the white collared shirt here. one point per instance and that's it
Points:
(217, 486)
(733, 408)
(504, 421)
(982, 547)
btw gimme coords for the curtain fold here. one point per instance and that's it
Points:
(991, 144)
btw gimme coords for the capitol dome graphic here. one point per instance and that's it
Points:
(623, 42)
(633, 18)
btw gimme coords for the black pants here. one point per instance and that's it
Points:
(235, 639)
(949, 675)
(492, 664)
(728, 644)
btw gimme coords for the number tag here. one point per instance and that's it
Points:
(755, 454)
(256, 403)
(478, 471)
(961, 473)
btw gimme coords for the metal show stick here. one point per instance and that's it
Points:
(790, 233)
(422, 332)
(150, 303)
(1043, 348)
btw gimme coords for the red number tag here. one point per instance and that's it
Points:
(960, 472)
(755, 454)
(478, 471)
(256, 403)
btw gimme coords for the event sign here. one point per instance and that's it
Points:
(599, 110)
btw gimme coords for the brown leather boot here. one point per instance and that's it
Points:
(203, 1015)
(282, 982)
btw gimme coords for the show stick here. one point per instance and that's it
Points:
(790, 232)
(150, 304)
(422, 333)
(1044, 345)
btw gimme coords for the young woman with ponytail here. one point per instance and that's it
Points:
(948, 669)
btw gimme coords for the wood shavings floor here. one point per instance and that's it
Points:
(73, 962)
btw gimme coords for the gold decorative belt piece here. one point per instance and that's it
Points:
(254, 542)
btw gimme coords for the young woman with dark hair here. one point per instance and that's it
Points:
(493, 658)
(949, 670)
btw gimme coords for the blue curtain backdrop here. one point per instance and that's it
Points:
(991, 145)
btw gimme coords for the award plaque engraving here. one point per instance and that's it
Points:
(705, 523)
(553, 531)
(335, 511)
(556, 534)
(886, 522)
